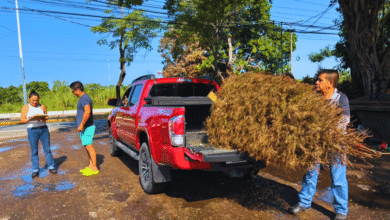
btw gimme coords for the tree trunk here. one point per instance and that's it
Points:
(216, 55)
(368, 64)
(216, 58)
(122, 61)
(229, 64)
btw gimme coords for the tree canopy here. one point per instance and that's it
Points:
(364, 46)
(130, 34)
(231, 35)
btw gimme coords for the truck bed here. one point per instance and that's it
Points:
(197, 141)
(197, 109)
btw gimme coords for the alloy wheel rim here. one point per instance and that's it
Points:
(111, 139)
(145, 173)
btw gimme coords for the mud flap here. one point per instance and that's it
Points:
(161, 174)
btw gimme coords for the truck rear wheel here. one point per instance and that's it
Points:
(114, 151)
(146, 172)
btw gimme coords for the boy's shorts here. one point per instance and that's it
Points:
(87, 135)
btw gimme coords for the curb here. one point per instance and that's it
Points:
(7, 123)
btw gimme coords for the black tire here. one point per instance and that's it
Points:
(146, 172)
(252, 172)
(114, 150)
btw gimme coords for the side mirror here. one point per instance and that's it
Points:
(112, 102)
(148, 100)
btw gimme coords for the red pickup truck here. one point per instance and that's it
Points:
(160, 123)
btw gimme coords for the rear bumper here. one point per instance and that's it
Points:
(216, 155)
(185, 159)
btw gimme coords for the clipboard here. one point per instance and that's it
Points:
(39, 117)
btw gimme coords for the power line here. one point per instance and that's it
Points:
(167, 22)
(299, 9)
(72, 59)
(58, 17)
(7, 28)
(320, 14)
(300, 15)
(310, 3)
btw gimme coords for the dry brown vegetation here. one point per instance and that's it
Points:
(280, 120)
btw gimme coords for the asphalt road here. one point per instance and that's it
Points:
(18, 131)
(115, 193)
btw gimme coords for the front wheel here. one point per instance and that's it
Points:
(146, 172)
(114, 151)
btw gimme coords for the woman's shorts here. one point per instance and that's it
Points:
(87, 135)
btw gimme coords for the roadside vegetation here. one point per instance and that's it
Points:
(57, 98)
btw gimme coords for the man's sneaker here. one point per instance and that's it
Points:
(35, 174)
(340, 216)
(90, 172)
(298, 209)
(53, 171)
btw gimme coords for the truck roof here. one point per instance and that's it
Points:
(174, 80)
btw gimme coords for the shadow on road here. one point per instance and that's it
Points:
(65, 129)
(60, 160)
(129, 162)
(372, 190)
(101, 137)
(256, 194)
(99, 159)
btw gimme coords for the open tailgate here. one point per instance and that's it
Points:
(197, 147)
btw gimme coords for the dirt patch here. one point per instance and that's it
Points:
(116, 193)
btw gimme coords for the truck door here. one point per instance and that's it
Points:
(130, 117)
(123, 107)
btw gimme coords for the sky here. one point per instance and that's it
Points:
(58, 46)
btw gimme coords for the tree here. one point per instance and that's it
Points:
(182, 58)
(233, 35)
(130, 33)
(365, 43)
(40, 87)
(324, 53)
(14, 94)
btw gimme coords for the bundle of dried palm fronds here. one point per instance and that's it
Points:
(280, 120)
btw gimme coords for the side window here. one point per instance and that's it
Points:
(125, 97)
(135, 95)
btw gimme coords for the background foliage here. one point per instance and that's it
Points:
(221, 37)
(58, 98)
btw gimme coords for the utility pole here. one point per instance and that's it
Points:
(281, 48)
(291, 49)
(21, 54)
(276, 47)
(109, 78)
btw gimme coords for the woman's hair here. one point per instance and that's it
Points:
(33, 93)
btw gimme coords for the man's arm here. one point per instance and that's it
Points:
(344, 105)
(86, 115)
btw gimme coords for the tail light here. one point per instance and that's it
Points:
(176, 131)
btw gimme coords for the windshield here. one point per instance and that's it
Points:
(181, 89)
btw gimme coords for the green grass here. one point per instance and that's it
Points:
(62, 99)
